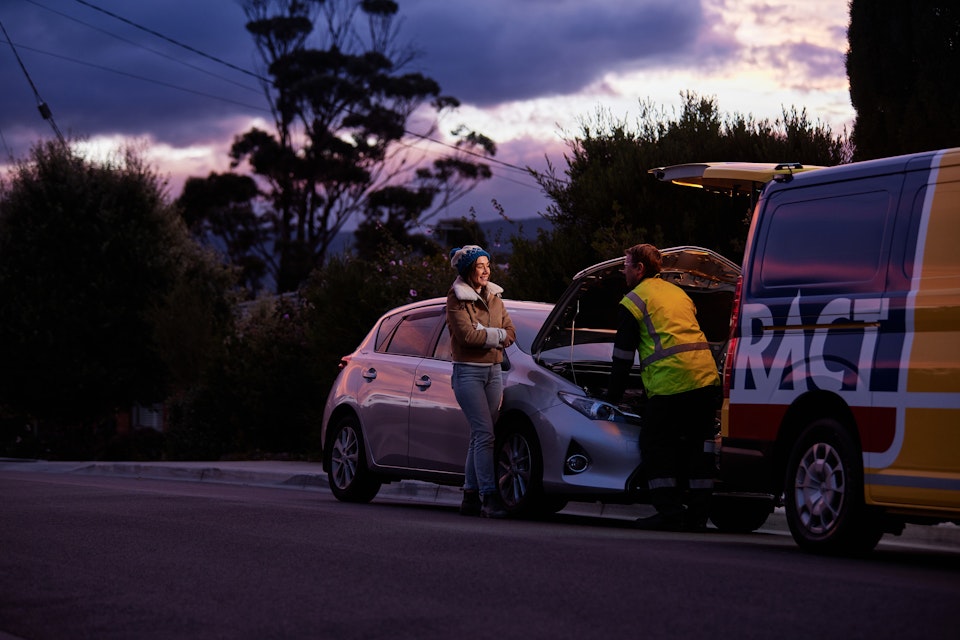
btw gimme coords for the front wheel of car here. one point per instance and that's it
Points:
(823, 490)
(349, 478)
(519, 470)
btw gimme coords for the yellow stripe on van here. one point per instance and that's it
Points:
(932, 441)
(924, 471)
(935, 354)
(913, 500)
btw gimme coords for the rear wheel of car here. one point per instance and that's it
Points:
(823, 493)
(519, 470)
(349, 478)
(732, 514)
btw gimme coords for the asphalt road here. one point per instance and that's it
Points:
(115, 555)
(310, 476)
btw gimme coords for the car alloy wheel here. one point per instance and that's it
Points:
(349, 479)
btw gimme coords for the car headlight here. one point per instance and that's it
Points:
(596, 409)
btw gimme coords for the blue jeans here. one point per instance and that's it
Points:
(479, 390)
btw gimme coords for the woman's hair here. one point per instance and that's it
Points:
(647, 255)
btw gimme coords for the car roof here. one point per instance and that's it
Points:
(729, 177)
(508, 302)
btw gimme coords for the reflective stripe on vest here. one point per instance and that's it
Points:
(659, 352)
(675, 356)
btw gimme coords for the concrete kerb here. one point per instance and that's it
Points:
(310, 476)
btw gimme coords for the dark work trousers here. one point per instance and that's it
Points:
(677, 451)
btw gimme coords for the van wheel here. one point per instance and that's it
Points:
(519, 470)
(739, 515)
(349, 478)
(824, 493)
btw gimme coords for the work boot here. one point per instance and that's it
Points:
(493, 506)
(698, 511)
(470, 505)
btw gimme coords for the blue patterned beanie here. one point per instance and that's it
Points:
(462, 258)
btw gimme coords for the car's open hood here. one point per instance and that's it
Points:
(587, 310)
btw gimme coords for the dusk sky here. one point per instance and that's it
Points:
(527, 72)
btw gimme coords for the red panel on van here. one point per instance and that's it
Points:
(877, 427)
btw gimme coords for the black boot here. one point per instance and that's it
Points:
(493, 507)
(470, 506)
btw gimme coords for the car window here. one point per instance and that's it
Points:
(800, 252)
(415, 334)
(385, 332)
(444, 350)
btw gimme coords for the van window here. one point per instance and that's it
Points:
(826, 241)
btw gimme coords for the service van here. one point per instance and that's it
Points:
(842, 372)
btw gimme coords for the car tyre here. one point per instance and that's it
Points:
(823, 493)
(350, 479)
(519, 470)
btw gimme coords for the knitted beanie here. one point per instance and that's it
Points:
(462, 258)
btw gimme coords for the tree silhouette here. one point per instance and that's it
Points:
(903, 66)
(341, 97)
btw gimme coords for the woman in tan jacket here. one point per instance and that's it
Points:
(480, 329)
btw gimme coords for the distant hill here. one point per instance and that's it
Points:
(497, 232)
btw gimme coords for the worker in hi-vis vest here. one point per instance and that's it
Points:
(682, 386)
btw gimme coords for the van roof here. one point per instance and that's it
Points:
(728, 177)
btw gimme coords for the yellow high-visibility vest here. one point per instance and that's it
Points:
(674, 354)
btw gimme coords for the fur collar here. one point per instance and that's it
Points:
(467, 293)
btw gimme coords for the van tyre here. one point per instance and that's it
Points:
(349, 478)
(823, 493)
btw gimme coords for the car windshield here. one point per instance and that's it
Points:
(527, 322)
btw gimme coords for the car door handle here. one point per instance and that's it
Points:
(423, 382)
(370, 374)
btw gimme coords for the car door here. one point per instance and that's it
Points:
(390, 374)
(439, 432)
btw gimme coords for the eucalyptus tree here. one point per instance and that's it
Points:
(343, 95)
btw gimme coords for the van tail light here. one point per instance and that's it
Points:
(732, 339)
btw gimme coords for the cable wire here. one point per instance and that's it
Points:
(172, 41)
(41, 105)
(144, 47)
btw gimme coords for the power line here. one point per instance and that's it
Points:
(141, 46)
(467, 151)
(172, 41)
(143, 78)
(41, 105)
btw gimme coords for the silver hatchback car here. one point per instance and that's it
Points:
(391, 413)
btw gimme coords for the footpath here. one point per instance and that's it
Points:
(310, 476)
